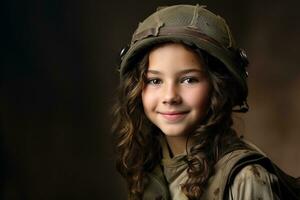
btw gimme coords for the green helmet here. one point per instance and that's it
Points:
(194, 26)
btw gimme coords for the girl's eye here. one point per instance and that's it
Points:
(190, 80)
(154, 81)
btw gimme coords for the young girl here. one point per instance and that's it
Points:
(181, 78)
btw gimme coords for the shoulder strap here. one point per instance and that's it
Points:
(230, 164)
(289, 187)
(218, 182)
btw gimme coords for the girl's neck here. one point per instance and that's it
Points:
(177, 145)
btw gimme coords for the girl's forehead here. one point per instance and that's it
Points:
(174, 56)
(172, 45)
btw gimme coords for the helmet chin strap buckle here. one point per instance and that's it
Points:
(243, 108)
(243, 60)
(122, 53)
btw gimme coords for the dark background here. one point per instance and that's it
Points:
(58, 80)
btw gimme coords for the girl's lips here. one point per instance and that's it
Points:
(173, 116)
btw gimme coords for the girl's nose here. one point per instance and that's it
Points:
(171, 95)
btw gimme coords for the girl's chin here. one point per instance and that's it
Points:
(174, 133)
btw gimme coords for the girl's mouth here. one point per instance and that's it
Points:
(173, 116)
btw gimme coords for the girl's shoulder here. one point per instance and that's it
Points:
(254, 182)
(254, 173)
(227, 168)
(245, 169)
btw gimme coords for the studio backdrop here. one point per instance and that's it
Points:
(59, 78)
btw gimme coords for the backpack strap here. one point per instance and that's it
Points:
(223, 171)
(232, 163)
(250, 158)
(290, 186)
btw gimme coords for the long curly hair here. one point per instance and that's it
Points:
(137, 139)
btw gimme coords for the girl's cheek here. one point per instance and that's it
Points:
(197, 96)
(149, 97)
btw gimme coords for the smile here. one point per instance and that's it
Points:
(173, 116)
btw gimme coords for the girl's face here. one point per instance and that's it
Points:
(176, 93)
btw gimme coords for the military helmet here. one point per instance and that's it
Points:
(192, 25)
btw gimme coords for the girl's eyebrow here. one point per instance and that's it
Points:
(186, 71)
(151, 71)
(182, 72)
